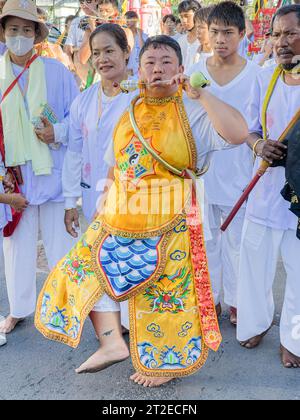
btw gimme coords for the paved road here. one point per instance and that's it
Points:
(34, 368)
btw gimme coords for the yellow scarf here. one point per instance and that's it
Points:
(21, 142)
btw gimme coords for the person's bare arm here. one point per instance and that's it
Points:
(16, 201)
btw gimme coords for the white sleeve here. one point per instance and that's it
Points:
(207, 138)
(109, 155)
(71, 175)
(253, 109)
(61, 132)
(71, 35)
(71, 178)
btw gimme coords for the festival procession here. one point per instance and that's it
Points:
(150, 151)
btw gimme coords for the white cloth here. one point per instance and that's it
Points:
(230, 170)
(199, 57)
(266, 206)
(106, 304)
(244, 47)
(189, 51)
(1, 254)
(75, 35)
(20, 252)
(229, 173)
(5, 213)
(260, 250)
(223, 253)
(133, 63)
(88, 141)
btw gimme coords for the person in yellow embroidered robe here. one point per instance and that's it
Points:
(147, 245)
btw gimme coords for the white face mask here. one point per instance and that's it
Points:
(19, 45)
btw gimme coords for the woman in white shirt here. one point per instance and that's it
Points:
(94, 114)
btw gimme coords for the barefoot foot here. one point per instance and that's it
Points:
(254, 341)
(289, 360)
(233, 316)
(148, 381)
(9, 324)
(103, 358)
(218, 310)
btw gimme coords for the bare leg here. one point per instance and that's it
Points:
(148, 381)
(9, 324)
(218, 310)
(289, 360)
(233, 316)
(113, 348)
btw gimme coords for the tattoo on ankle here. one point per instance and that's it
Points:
(107, 333)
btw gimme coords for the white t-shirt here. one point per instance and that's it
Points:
(135, 53)
(189, 51)
(230, 170)
(244, 46)
(85, 171)
(266, 206)
(75, 35)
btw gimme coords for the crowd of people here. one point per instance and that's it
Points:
(159, 137)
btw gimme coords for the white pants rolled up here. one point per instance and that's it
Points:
(20, 253)
(260, 250)
(223, 253)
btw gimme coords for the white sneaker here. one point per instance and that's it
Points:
(2, 335)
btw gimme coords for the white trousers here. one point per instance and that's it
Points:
(20, 253)
(1, 254)
(260, 250)
(223, 253)
(106, 304)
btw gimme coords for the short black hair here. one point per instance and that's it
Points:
(115, 3)
(171, 17)
(187, 5)
(131, 14)
(160, 41)
(115, 31)
(286, 10)
(230, 14)
(203, 14)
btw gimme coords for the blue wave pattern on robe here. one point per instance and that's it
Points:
(128, 262)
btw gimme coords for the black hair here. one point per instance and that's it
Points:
(115, 31)
(178, 21)
(131, 14)
(188, 5)
(162, 41)
(203, 14)
(171, 17)
(286, 10)
(228, 13)
(115, 3)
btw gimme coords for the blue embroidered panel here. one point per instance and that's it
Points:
(128, 262)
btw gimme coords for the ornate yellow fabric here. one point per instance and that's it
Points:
(164, 124)
(156, 262)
